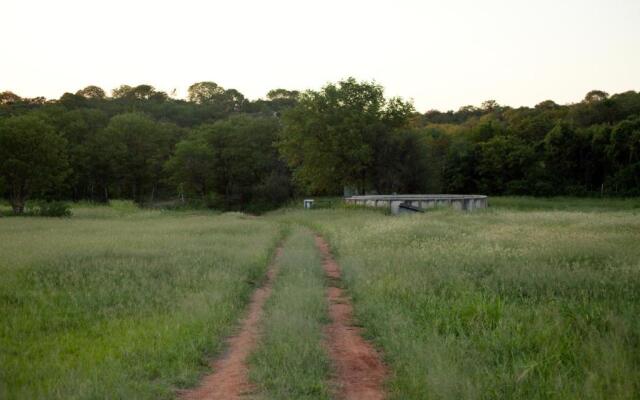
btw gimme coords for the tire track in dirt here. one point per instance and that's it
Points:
(360, 372)
(229, 379)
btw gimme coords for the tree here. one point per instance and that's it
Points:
(244, 159)
(281, 99)
(401, 165)
(595, 96)
(503, 165)
(8, 97)
(191, 167)
(92, 92)
(140, 92)
(132, 151)
(121, 91)
(79, 127)
(32, 158)
(329, 136)
(211, 94)
(624, 154)
(282, 94)
(71, 101)
(547, 105)
(204, 92)
(460, 173)
(625, 142)
(568, 156)
(490, 105)
(234, 159)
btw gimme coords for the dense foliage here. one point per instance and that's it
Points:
(577, 149)
(224, 150)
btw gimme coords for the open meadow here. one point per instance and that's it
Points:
(117, 302)
(502, 303)
(529, 299)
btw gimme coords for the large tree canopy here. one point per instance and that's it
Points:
(91, 92)
(232, 152)
(235, 160)
(331, 137)
(32, 158)
(135, 147)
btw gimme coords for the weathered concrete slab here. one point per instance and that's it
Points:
(461, 202)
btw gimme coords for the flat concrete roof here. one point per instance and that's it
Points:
(417, 197)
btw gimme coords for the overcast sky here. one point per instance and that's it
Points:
(441, 54)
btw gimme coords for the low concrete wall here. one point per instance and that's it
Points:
(424, 201)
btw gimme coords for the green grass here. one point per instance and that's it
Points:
(586, 204)
(121, 303)
(290, 362)
(495, 304)
(529, 299)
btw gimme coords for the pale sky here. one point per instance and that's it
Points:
(440, 54)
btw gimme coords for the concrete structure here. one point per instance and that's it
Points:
(308, 203)
(422, 201)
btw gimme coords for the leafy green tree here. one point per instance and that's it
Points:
(547, 105)
(135, 152)
(437, 143)
(32, 158)
(624, 153)
(235, 160)
(72, 101)
(401, 164)
(460, 172)
(78, 127)
(503, 165)
(282, 99)
(204, 92)
(191, 167)
(625, 142)
(140, 92)
(244, 158)
(8, 97)
(92, 92)
(232, 101)
(345, 134)
(564, 148)
(211, 94)
(329, 136)
(121, 91)
(490, 105)
(595, 96)
(487, 128)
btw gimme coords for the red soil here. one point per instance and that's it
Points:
(359, 370)
(229, 379)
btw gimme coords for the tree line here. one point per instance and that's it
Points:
(220, 149)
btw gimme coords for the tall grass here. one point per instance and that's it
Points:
(496, 304)
(290, 361)
(129, 307)
(586, 204)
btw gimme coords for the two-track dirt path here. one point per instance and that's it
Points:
(229, 379)
(359, 371)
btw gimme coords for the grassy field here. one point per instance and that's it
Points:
(121, 303)
(578, 204)
(529, 299)
(496, 304)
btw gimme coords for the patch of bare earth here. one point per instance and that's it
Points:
(359, 371)
(229, 379)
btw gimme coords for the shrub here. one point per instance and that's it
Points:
(53, 209)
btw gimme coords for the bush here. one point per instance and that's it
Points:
(576, 191)
(53, 209)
